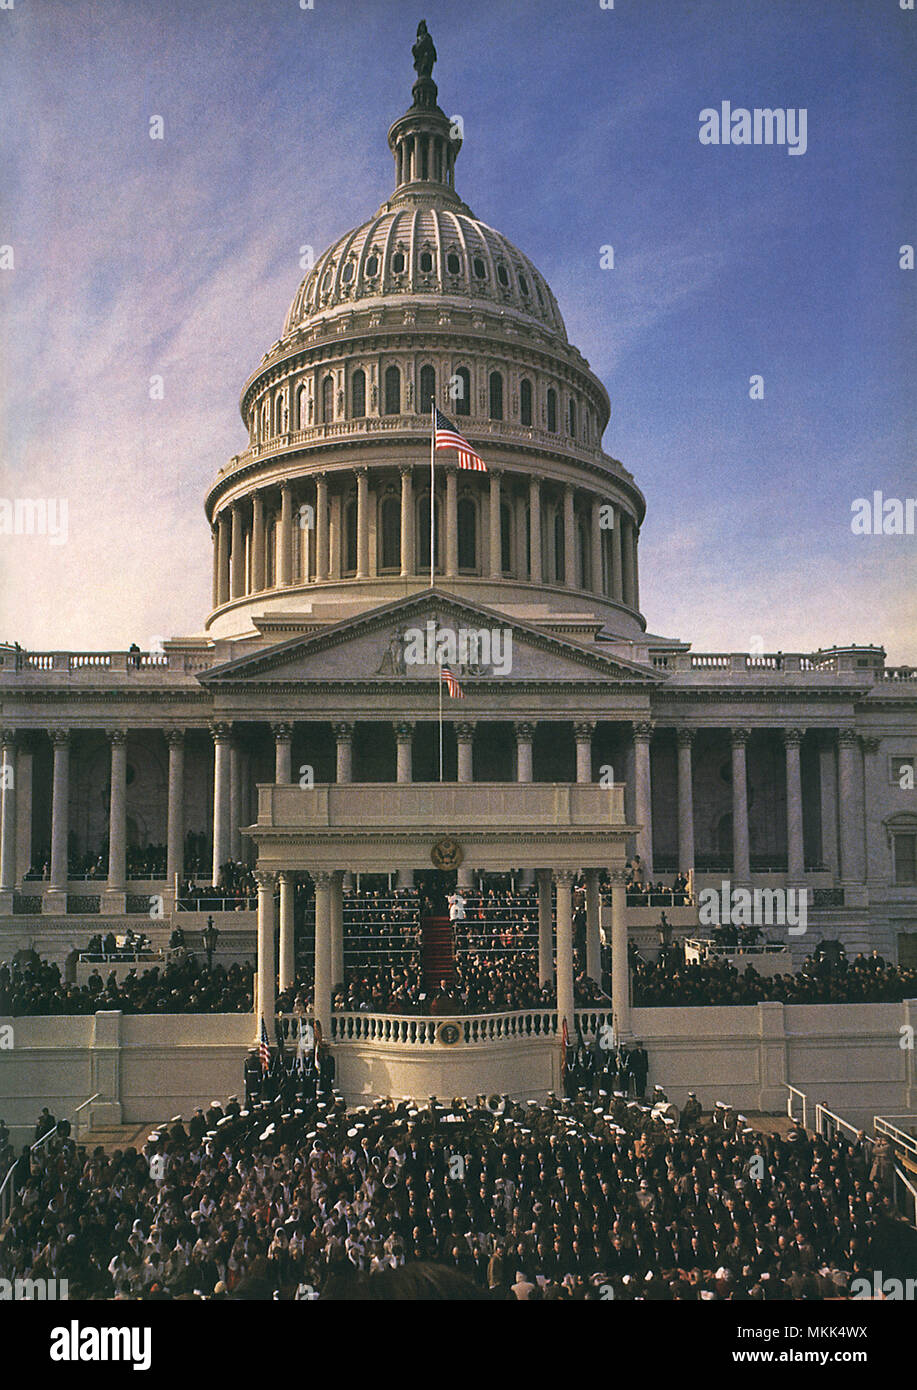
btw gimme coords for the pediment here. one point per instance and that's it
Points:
(404, 641)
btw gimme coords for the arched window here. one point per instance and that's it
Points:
(392, 391)
(503, 275)
(278, 414)
(463, 399)
(496, 396)
(467, 535)
(358, 394)
(552, 410)
(398, 263)
(390, 529)
(423, 535)
(506, 535)
(525, 401)
(524, 285)
(350, 537)
(453, 263)
(427, 393)
(426, 262)
(559, 546)
(372, 266)
(327, 400)
(479, 268)
(571, 418)
(302, 409)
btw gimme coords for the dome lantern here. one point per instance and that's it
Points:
(424, 142)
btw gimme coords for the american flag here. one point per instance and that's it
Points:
(264, 1051)
(452, 685)
(446, 436)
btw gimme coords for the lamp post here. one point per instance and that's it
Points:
(210, 937)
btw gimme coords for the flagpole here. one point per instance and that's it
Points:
(440, 721)
(433, 501)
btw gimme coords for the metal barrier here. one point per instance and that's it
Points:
(793, 1092)
(827, 1125)
(78, 1122)
(7, 1193)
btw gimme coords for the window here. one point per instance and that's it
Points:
(559, 546)
(358, 394)
(480, 269)
(525, 401)
(279, 422)
(463, 399)
(392, 391)
(496, 396)
(552, 411)
(423, 535)
(506, 532)
(426, 262)
(467, 535)
(503, 275)
(302, 416)
(398, 263)
(347, 273)
(523, 285)
(372, 266)
(453, 263)
(427, 393)
(905, 848)
(571, 418)
(390, 525)
(328, 280)
(327, 400)
(350, 537)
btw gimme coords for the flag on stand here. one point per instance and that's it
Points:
(450, 680)
(264, 1051)
(446, 436)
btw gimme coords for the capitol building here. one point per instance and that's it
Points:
(291, 734)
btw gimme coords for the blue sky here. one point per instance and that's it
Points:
(179, 258)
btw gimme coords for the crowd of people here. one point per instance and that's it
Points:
(670, 982)
(182, 987)
(578, 1199)
(107, 946)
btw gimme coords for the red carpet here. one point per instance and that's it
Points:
(438, 952)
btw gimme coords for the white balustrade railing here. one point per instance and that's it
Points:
(423, 1030)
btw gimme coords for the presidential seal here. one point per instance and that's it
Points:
(448, 1034)
(447, 853)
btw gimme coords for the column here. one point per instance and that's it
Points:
(223, 556)
(849, 777)
(237, 552)
(221, 734)
(620, 966)
(595, 536)
(286, 535)
(60, 809)
(545, 928)
(25, 764)
(235, 801)
(215, 579)
(570, 575)
(741, 864)
(287, 944)
(583, 730)
(323, 961)
(336, 536)
(827, 780)
(175, 827)
(593, 934)
(525, 733)
(343, 734)
(795, 854)
(564, 879)
(634, 548)
(685, 801)
(407, 521)
(257, 543)
(265, 1007)
(337, 929)
(451, 523)
(283, 753)
(627, 573)
(321, 527)
(117, 813)
(643, 795)
(8, 817)
(496, 559)
(535, 530)
(464, 743)
(362, 523)
(404, 735)
(617, 557)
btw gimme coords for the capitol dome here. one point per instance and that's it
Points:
(327, 512)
